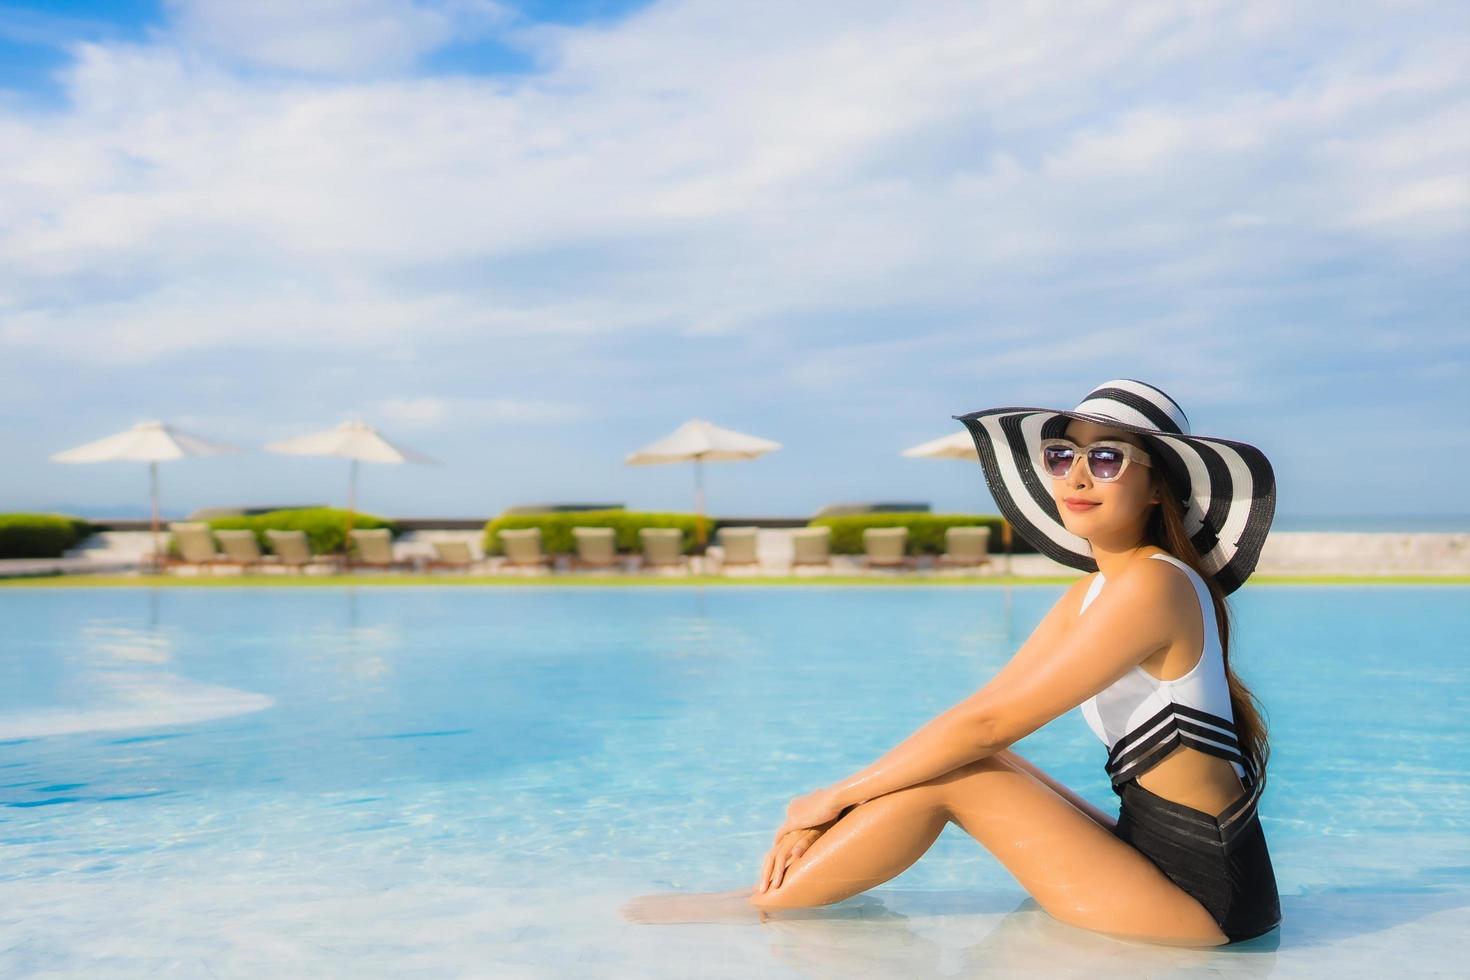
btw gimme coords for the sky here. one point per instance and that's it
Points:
(528, 238)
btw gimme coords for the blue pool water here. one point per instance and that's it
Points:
(464, 781)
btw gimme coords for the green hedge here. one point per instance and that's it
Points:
(325, 527)
(40, 535)
(926, 530)
(556, 527)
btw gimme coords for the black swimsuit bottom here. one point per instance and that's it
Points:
(1228, 869)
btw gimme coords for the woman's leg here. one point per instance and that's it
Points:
(1075, 868)
(870, 844)
(1016, 760)
(865, 847)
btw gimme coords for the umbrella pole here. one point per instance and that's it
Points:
(153, 523)
(351, 506)
(1005, 533)
(699, 499)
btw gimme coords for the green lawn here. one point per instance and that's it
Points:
(573, 581)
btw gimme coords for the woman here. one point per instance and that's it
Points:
(1170, 523)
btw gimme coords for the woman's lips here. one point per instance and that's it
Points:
(1078, 505)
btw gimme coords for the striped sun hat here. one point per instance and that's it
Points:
(1229, 487)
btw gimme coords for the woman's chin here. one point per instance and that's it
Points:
(1083, 525)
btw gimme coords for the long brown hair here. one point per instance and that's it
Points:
(1166, 530)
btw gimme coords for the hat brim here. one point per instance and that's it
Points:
(1229, 487)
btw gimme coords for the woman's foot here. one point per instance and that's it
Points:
(732, 906)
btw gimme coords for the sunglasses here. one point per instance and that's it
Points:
(1107, 459)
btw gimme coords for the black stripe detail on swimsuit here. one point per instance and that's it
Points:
(1174, 708)
(1228, 822)
(1141, 757)
(1172, 726)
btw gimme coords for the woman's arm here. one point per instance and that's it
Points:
(957, 736)
(946, 742)
(1064, 662)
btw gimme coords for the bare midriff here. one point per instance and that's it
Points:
(1195, 779)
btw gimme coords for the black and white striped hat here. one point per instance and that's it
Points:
(1229, 487)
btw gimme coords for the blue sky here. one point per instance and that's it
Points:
(528, 238)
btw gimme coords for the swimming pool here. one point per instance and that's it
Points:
(380, 781)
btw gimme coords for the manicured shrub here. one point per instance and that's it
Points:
(556, 527)
(926, 530)
(40, 535)
(325, 527)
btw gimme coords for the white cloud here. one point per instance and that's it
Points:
(1428, 204)
(704, 168)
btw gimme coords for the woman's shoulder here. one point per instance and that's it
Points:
(1154, 564)
(1168, 567)
(1160, 581)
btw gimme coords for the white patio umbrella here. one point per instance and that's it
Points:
(354, 440)
(151, 442)
(959, 445)
(699, 441)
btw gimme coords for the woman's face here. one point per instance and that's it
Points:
(1120, 508)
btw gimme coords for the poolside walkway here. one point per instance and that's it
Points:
(1303, 553)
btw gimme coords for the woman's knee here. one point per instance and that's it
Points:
(896, 826)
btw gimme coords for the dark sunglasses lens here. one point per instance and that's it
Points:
(1105, 464)
(1058, 459)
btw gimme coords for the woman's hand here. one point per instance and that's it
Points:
(811, 810)
(786, 850)
(807, 818)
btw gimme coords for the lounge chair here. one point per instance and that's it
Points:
(241, 547)
(663, 547)
(597, 547)
(451, 554)
(294, 551)
(523, 548)
(965, 547)
(374, 547)
(739, 547)
(884, 547)
(195, 544)
(811, 546)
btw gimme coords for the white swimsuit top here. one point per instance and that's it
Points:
(1141, 718)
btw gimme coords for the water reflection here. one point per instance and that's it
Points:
(920, 933)
(866, 936)
(113, 676)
